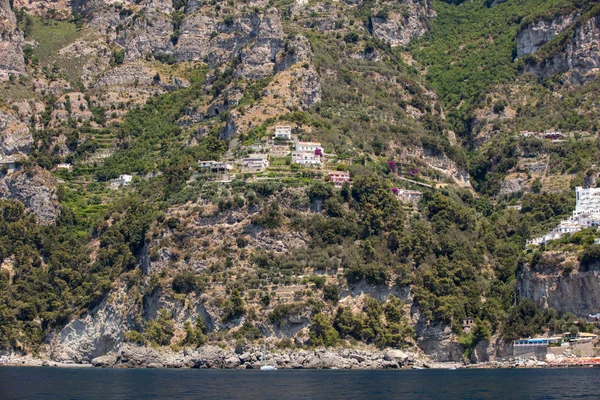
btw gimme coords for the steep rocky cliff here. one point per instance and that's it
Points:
(535, 34)
(11, 43)
(558, 281)
(575, 53)
(35, 189)
(399, 26)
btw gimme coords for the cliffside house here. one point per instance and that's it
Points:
(468, 325)
(586, 214)
(122, 180)
(305, 157)
(339, 178)
(66, 166)
(255, 163)
(8, 163)
(308, 147)
(283, 132)
(553, 135)
(215, 167)
(408, 196)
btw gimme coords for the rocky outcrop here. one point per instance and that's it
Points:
(11, 43)
(212, 357)
(398, 28)
(576, 54)
(128, 75)
(15, 136)
(258, 60)
(37, 192)
(42, 7)
(533, 35)
(562, 284)
(437, 341)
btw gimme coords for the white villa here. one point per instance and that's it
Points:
(215, 167)
(586, 214)
(306, 158)
(66, 166)
(122, 180)
(283, 132)
(308, 146)
(255, 163)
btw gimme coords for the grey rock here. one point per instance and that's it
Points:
(106, 361)
(578, 58)
(37, 192)
(11, 43)
(532, 36)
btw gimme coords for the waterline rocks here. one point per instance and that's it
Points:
(213, 357)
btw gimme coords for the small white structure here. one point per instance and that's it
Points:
(308, 146)
(122, 180)
(409, 196)
(9, 163)
(283, 132)
(339, 178)
(306, 158)
(66, 166)
(255, 163)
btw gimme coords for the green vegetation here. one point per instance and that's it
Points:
(469, 50)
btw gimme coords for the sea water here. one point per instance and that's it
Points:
(89, 383)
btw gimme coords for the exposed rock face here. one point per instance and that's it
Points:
(212, 357)
(579, 59)
(36, 192)
(398, 29)
(15, 136)
(101, 330)
(552, 284)
(11, 43)
(437, 341)
(532, 36)
(258, 61)
(41, 7)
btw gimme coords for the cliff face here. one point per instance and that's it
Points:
(553, 283)
(578, 57)
(37, 192)
(532, 36)
(400, 26)
(11, 43)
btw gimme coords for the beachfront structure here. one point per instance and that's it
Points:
(306, 158)
(283, 132)
(339, 178)
(537, 341)
(308, 147)
(586, 214)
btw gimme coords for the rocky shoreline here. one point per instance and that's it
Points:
(213, 357)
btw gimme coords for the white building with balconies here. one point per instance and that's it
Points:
(586, 215)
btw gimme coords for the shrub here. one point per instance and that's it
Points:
(321, 332)
(160, 330)
(331, 293)
(185, 282)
